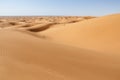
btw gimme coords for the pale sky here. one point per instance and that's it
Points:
(59, 7)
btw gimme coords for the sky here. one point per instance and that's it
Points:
(59, 7)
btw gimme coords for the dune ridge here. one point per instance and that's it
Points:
(100, 34)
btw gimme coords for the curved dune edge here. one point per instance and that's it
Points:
(25, 57)
(99, 34)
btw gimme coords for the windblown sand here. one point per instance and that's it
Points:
(60, 48)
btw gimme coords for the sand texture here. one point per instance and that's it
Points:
(60, 48)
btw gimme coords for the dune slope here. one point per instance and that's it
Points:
(26, 57)
(99, 34)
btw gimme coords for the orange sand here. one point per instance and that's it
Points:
(60, 48)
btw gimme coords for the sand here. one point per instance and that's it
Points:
(74, 48)
(99, 34)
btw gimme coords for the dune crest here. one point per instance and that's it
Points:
(100, 34)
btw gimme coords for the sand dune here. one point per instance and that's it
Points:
(100, 34)
(31, 22)
(61, 48)
(26, 57)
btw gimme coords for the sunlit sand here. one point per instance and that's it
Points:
(60, 48)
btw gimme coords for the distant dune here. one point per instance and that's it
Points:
(60, 48)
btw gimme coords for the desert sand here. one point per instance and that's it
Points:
(60, 48)
(99, 34)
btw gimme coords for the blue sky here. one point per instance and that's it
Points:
(59, 7)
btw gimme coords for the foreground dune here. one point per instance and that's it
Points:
(26, 57)
(99, 34)
(87, 50)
